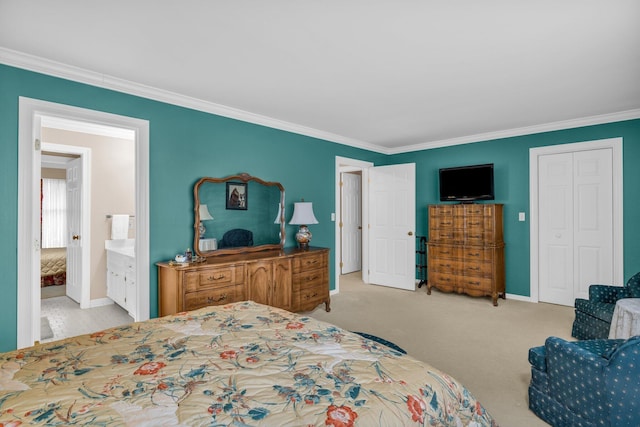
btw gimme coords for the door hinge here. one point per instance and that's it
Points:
(341, 264)
(36, 145)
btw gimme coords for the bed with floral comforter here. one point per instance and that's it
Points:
(241, 364)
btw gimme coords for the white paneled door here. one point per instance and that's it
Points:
(575, 224)
(392, 219)
(74, 229)
(351, 222)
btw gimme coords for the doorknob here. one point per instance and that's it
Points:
(359, 227)
(410, 233)
(75, 237)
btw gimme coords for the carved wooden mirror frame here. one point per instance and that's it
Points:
(241, 178)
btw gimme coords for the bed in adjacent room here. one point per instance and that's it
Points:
(237, 364)
(53, 266)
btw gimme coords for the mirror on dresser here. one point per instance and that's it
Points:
(237, 214)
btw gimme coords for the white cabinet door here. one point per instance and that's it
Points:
(575, 224)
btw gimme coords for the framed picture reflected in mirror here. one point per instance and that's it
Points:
(237, 195)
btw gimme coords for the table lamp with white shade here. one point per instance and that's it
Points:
(302, 216)
(203, 210)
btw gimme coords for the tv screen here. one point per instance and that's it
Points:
(466, 183)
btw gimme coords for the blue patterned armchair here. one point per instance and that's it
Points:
(586, 383)
(593, 316)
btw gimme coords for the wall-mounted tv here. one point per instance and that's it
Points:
(466, 183)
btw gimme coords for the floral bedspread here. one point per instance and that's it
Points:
(241, 364)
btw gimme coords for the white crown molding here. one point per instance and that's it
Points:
(528, 130)
(57, 69)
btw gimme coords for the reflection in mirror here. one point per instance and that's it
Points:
(242, 209)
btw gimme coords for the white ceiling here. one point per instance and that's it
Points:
(390, 76)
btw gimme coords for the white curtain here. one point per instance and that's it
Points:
(54, 213)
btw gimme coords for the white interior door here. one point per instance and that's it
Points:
(351, 222)
(74, 229)
(392, 219)
(575, 224)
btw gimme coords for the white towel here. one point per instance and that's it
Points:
(119, 226)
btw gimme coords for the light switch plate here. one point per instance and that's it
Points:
(333, 216)
(521, 216)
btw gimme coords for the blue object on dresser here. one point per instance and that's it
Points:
(593, 316)
(586, 383)
(236, 237)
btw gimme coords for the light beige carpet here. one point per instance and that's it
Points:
(483, 346)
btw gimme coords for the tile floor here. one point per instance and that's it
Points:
(67, 319)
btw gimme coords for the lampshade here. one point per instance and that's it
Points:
(279, 215)
(204, 213)
(303, 214)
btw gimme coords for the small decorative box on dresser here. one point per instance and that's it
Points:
(293, 279)
(466, 250)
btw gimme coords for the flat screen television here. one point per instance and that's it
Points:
(466, 183)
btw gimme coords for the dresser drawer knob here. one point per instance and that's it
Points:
(212, 300)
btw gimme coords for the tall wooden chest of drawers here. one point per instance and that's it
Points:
(292, 279)
(465, 251)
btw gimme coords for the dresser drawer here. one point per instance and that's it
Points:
(309, 262)
(220, 276)
(478, 253)
(437, 252)
(477, 283)
(446, 265)
(442, 279)
(477, 269)
(440, 210)
(217, 296)
(309, 278)
(310, 297)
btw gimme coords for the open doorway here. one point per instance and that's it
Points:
(352, 203)
(88, 172)
(32, 113)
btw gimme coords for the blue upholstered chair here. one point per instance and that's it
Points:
(237, 237)
(593, 316)
(586, 383)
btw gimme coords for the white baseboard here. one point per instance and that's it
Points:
(100, 302)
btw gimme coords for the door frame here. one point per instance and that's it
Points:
(28, 241)
(85, 208)
(345, 164)
(615, 144)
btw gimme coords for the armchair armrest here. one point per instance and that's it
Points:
(576, 377)
(607, 293)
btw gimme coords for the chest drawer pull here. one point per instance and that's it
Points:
(315, 294)
(216, 277)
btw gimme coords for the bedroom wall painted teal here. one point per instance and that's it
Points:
(511, 169)
(185, 145)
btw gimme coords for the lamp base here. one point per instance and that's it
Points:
(303, 237)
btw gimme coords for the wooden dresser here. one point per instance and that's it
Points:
(466, 250)
(293, 279)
